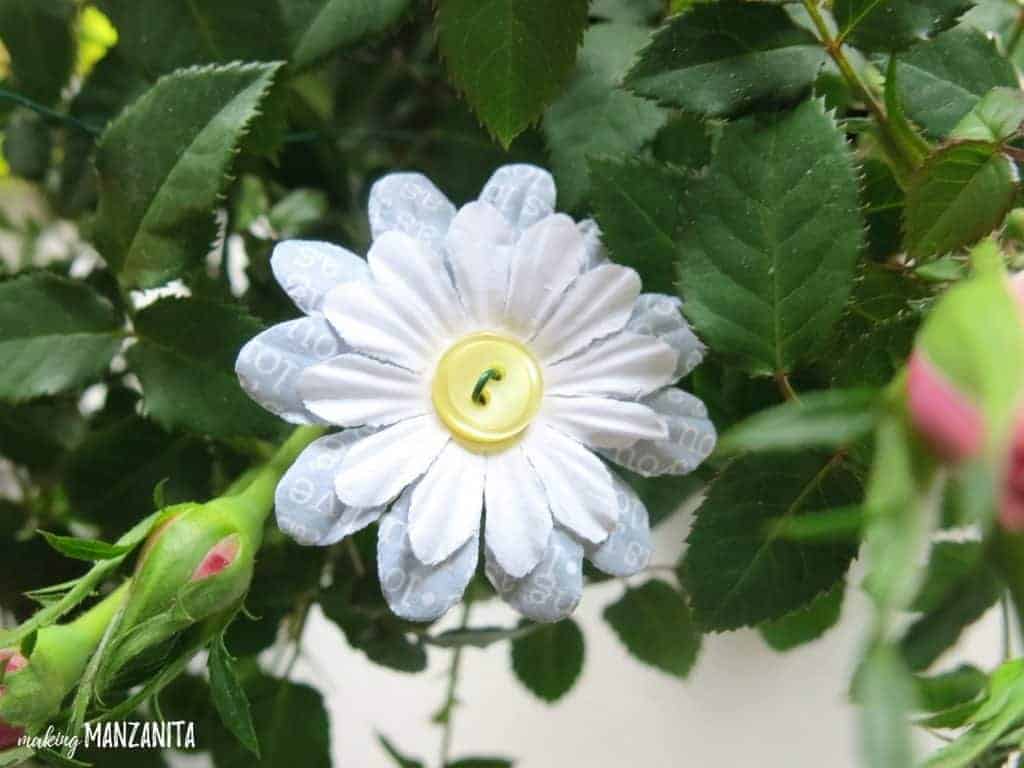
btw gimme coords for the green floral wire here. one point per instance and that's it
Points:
(46, 112)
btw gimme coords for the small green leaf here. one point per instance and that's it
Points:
(163, 164)
(996, 118)
(481, 762)
(962, 193)
(55, 334)
(38, 37)
(654, 623)
(229, 697)
(510, 57)
(478, 637)
(28, 644)
(723, 58)
(944, 691)
(549, 659)
(884, 26)
(83, 549)
(828, 419)
(400, 760)
(756, 277)
(805, 624)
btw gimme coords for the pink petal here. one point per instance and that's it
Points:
(951, 424)
(9, 734)
(1011, 507)
(15, 661)
(218, 558)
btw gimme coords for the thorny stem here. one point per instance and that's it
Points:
(785, 387)
(449, 702)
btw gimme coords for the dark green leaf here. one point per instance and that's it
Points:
(477, 637)
(38, 434)
(962, 193)
(942, 80)
(995, 118)
(229, 697)
(55, 334)
(723, 58)
(882, 199)
(629, 11)
(768, 252)
(637, 204)
(315, 28)
(83, 549)
(481, 762)
(665, 494)
(400, 760)
(828, 419)
(594, 117)
(891, 25)
(805, 624)
(28, 644)
(950, 689)
(685, 141)
(653, 622)
(510, 57)
(27, 145)
(380, 637)
(163, 164)
(187, 372)
(39, 41)
(549, 659)
(738, 569)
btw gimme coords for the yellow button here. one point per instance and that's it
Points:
(508, 400)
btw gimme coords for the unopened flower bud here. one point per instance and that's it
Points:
(1011, 506)
(9, 734)
(946, 418)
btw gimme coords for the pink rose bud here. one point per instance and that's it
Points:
(952, 425)
(15, 661)
(1011, 508)
(218, 558)
(9, 734)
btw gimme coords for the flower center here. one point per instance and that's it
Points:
(486, 390)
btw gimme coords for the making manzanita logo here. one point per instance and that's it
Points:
(122, 734)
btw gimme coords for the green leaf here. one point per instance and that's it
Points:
(663, 495)
(39, 41)
(886, 693)
(594, 117)
(940, 81)
(188, 374)
(739, 571)
(478, 637)
(510, 57)
(55, 334)
(315, 28)
(83, 549)
(549, 659)
(828, 419)
(38, 434)
(379, 635)
(229, 697)
(805, 624)
(962, 193)
(400, 760)
(884, 26)
(995, 118)
(654, 623)
(767, 256)
(163, 164)
(950, 689)
(882, 199)
(637, 205)
(28, 644)
(723, 58)
(481, 762)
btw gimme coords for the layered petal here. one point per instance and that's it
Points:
(691, 437)
(552, 590)
(270, 364)
(545, 260)
(656, 314)
(306, 505)
(518, 522)
(447, 504)
(524, 194)
(578, 485)
(417, 277)
(409, 203)
(597, 304)
(479, 251)
(353, 390)
(415, 591)
(953, 425)
(603, 422)
(308, 269)
(597, 254)
(378, 467)
(1011, 505)
(623, 365)
(628, 549)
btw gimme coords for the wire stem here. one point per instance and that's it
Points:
(448, 708)
(50, 114)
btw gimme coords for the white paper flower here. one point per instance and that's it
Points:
(480, 361)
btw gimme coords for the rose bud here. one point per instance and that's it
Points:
(1011, 506)
(951, 424)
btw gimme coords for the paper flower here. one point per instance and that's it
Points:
(480, 361)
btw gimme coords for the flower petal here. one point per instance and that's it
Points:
(354, 390)
(378, 467)
(417, 274)
(953, 425)
(691, 437)
(625, 365)
(552, 590)
(547, 258)
(308, 269)
(603, 422)
(415, 591)
(524, 194)
(375, 320)
(577, 484)
(269, 365)
(305, 503)
(447, 504)
(409, 203)
(596, 305)
(518, 522)
(597, 254)
(479, 250)
(656, 314)
(628, 549)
